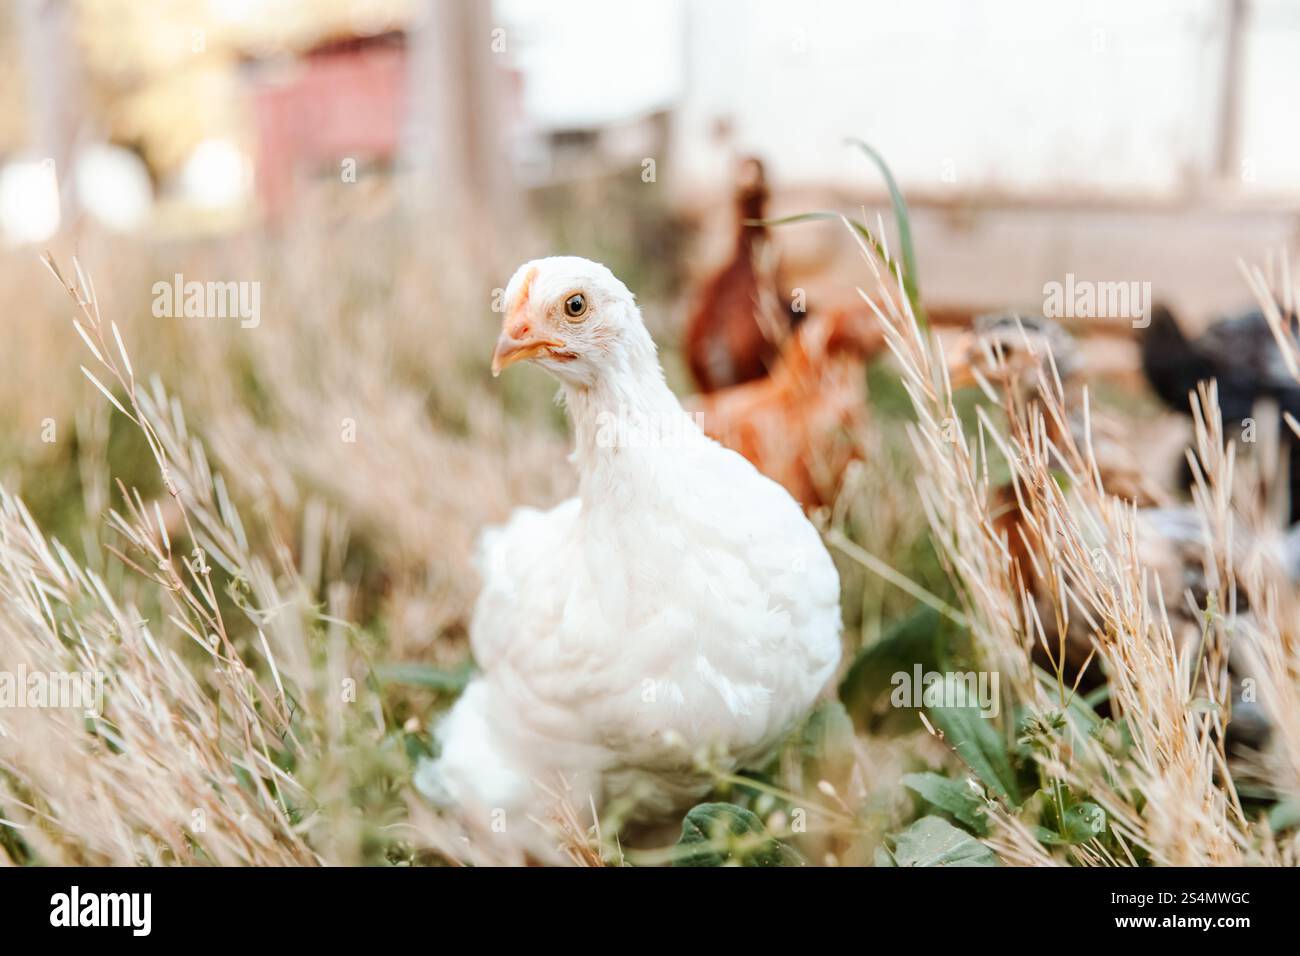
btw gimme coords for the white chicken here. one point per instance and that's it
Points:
(680, 604)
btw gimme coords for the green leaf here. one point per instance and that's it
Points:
(448, 680)
(1084, 821)
(723, 834)
(1048, 837)
(1284, 815)
(933, 841)
(1079, 822)
(827, 744)
(901, 217)
(909, 641)
(951, 796)
(978, 743)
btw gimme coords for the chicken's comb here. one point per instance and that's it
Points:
(525, 288)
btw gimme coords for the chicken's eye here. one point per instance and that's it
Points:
(575, 305)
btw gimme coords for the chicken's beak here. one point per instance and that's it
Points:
(510, 350)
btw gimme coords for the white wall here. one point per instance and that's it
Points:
(1120, 96)
(1018, 94)
(587, 62)
(1270, 140)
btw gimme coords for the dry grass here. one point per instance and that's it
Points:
(1170, 795)
(237, 570)
(241, 716)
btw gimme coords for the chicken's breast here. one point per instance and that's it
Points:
(620, 644)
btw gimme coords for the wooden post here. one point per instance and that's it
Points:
(1229, 120)
(454, 150)
(54, 107)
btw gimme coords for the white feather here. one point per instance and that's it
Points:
(680, 605)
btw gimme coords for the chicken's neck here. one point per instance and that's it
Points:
(749, 238)
(624, 419)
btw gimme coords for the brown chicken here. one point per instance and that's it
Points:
(739, 317)
(800, 426)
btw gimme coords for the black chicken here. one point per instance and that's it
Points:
(1244, 357)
